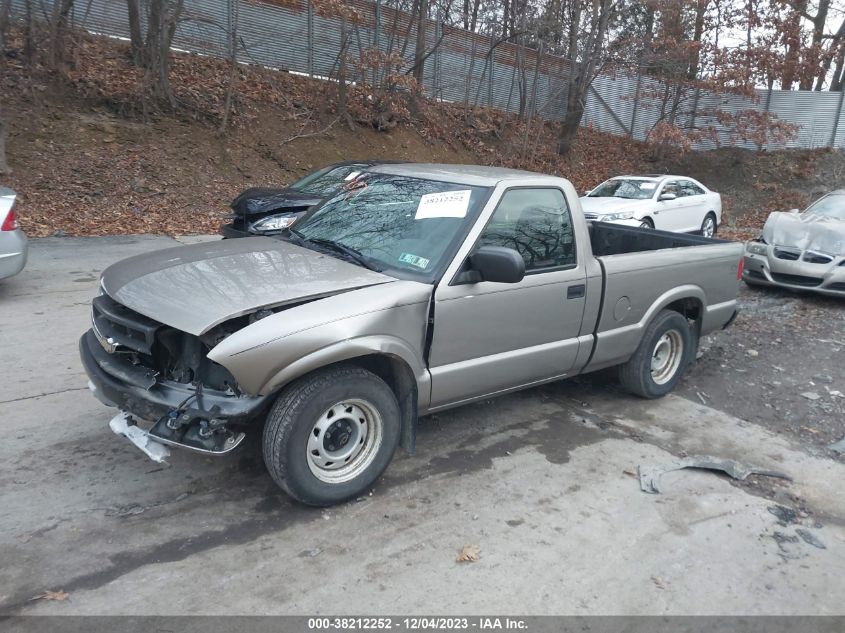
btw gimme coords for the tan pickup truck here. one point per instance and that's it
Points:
(414, 289)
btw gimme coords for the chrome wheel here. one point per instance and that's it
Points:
(666, 357)
(344, 441)
(708, 229)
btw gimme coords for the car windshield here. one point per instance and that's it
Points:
(625, 188)
(831, 206)
(408, 226)
(325, 181)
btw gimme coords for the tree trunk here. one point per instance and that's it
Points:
(698, 32)
(4, 165)
(5, 14)
(58, 28)
(136, 37)
(419, 50)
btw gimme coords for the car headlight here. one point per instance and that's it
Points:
(613, 217)
(758, 248)
(272, 223)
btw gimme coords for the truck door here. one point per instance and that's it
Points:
(490, 337)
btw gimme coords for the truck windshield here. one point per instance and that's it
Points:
(404, 225)
(625, 188)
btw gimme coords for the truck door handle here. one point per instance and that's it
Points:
(574, 292)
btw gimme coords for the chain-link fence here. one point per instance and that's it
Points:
(461, 66)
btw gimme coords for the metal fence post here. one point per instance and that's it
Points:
(765, 111)
(377, 28)
(490, 78)
(636, 102)
(310, 36)
(836, 121)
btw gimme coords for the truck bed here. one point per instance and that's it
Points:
(643, 272)
(613, 239)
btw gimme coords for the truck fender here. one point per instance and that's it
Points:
(616, 345)
(407, 376)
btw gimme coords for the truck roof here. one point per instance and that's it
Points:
(475, 175)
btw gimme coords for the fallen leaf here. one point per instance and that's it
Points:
(469, 554)
(630, 472)
(59, 596)
(658, 582)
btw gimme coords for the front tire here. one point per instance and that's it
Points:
(331, 434)
(646, 223)
(662, 357)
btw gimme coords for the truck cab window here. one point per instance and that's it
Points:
(537, 224)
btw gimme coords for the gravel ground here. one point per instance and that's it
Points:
(779, 366)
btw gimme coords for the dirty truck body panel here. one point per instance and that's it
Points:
(516, 288)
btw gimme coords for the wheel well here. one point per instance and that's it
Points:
(647, 219)
(400, 378)
(690, 308)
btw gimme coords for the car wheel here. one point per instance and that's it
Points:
(646, 223)
(661, 358)
(708, 226)
(331, 434)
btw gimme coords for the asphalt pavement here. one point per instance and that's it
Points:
(543, 482)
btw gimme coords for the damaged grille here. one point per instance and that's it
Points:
(122, 326)
(817, 258)
(141, 342)
(782, 253)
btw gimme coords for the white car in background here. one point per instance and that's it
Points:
(667, 203)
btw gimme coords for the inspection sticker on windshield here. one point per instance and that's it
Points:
(414, 260)
(446, 204)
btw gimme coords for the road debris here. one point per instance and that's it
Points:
(810, 395)
(310, 553)
(469, 554)
(658, 582)
(59, 596)
(785, 516)
(839, 446)
(650, 475)
(809, 538)
(753, 353)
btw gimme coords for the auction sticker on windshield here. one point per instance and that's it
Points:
(414, 260)
(445, 204)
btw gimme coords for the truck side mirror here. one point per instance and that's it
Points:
(498, 264)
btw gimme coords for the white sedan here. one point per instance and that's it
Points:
(668, 203)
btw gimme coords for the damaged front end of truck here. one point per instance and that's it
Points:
(159, 374)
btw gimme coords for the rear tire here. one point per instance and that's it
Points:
(709, 226)
(331, 434)
(662, 357)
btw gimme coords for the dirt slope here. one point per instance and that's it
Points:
(86, 163)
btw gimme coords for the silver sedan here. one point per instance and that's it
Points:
(13, 247)
(801, 250)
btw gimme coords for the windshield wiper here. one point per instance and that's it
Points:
(353, 254)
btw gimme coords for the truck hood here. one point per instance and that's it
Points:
(601, 206)
(805, 231)
(193, 288)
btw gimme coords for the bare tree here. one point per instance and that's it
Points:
(588, 25)
(153, 52)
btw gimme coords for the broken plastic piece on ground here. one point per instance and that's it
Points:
(139, 437)
(809, 538)
(839, 446)
(650, 475)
